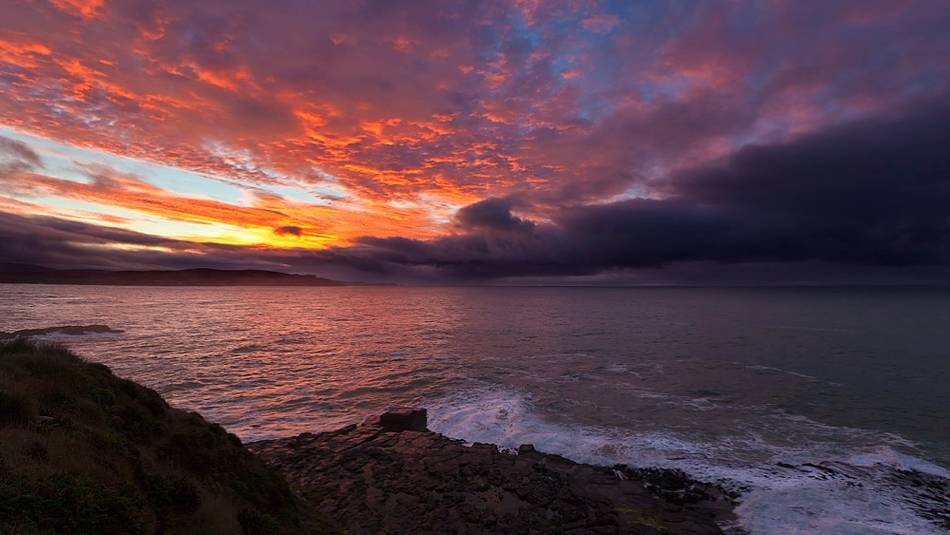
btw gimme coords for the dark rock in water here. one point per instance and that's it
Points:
(65, 329)
(374, 479)
(401, 419)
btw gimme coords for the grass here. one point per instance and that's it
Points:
(83, 451)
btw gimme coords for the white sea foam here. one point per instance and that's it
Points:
(819, 488)
(780, 370)
(791, 373)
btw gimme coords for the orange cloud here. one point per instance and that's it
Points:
(84, 8)
(23, 55)
(411, 115)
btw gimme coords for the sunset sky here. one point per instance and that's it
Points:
(429, 141)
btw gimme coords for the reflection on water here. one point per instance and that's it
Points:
(723, 382)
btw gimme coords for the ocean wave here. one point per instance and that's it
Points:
(805, 376)
(869, 487)
(780, 370)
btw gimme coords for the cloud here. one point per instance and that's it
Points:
(733, 126)
(289, 230)
(873, 192)
(57, 242)
(491, 214)
(868, 194)
(600, 22)
(261, 217)
(476, 107)
(16, 156)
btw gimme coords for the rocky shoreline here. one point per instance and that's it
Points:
(149, 468)
(392, 475)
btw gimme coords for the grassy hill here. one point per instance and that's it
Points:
(84, 451)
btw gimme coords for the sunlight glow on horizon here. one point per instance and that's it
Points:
(71, 163)
(546, 137)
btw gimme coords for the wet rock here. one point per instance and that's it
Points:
(391, 475)
(401, 419)
(65, 329)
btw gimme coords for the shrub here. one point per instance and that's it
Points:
(110, 456)
(15, 410)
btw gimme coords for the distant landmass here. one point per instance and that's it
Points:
(23, 274)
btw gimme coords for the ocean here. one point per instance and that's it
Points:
(828, 409)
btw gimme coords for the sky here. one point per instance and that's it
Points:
(579, 141)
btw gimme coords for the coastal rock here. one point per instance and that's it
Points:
(65, 329)
(390, 475)
(401, 419)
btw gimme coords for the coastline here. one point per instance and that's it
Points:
(84, 451)
(387, 475)
(391, 474)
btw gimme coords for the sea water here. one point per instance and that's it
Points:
(827, 409)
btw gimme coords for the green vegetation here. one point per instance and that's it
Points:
(84, 451)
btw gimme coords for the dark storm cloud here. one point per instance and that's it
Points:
(874, 192)
(56, 242)
(62, 244)
(869, 194)
(59, 243)
(491, 214)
